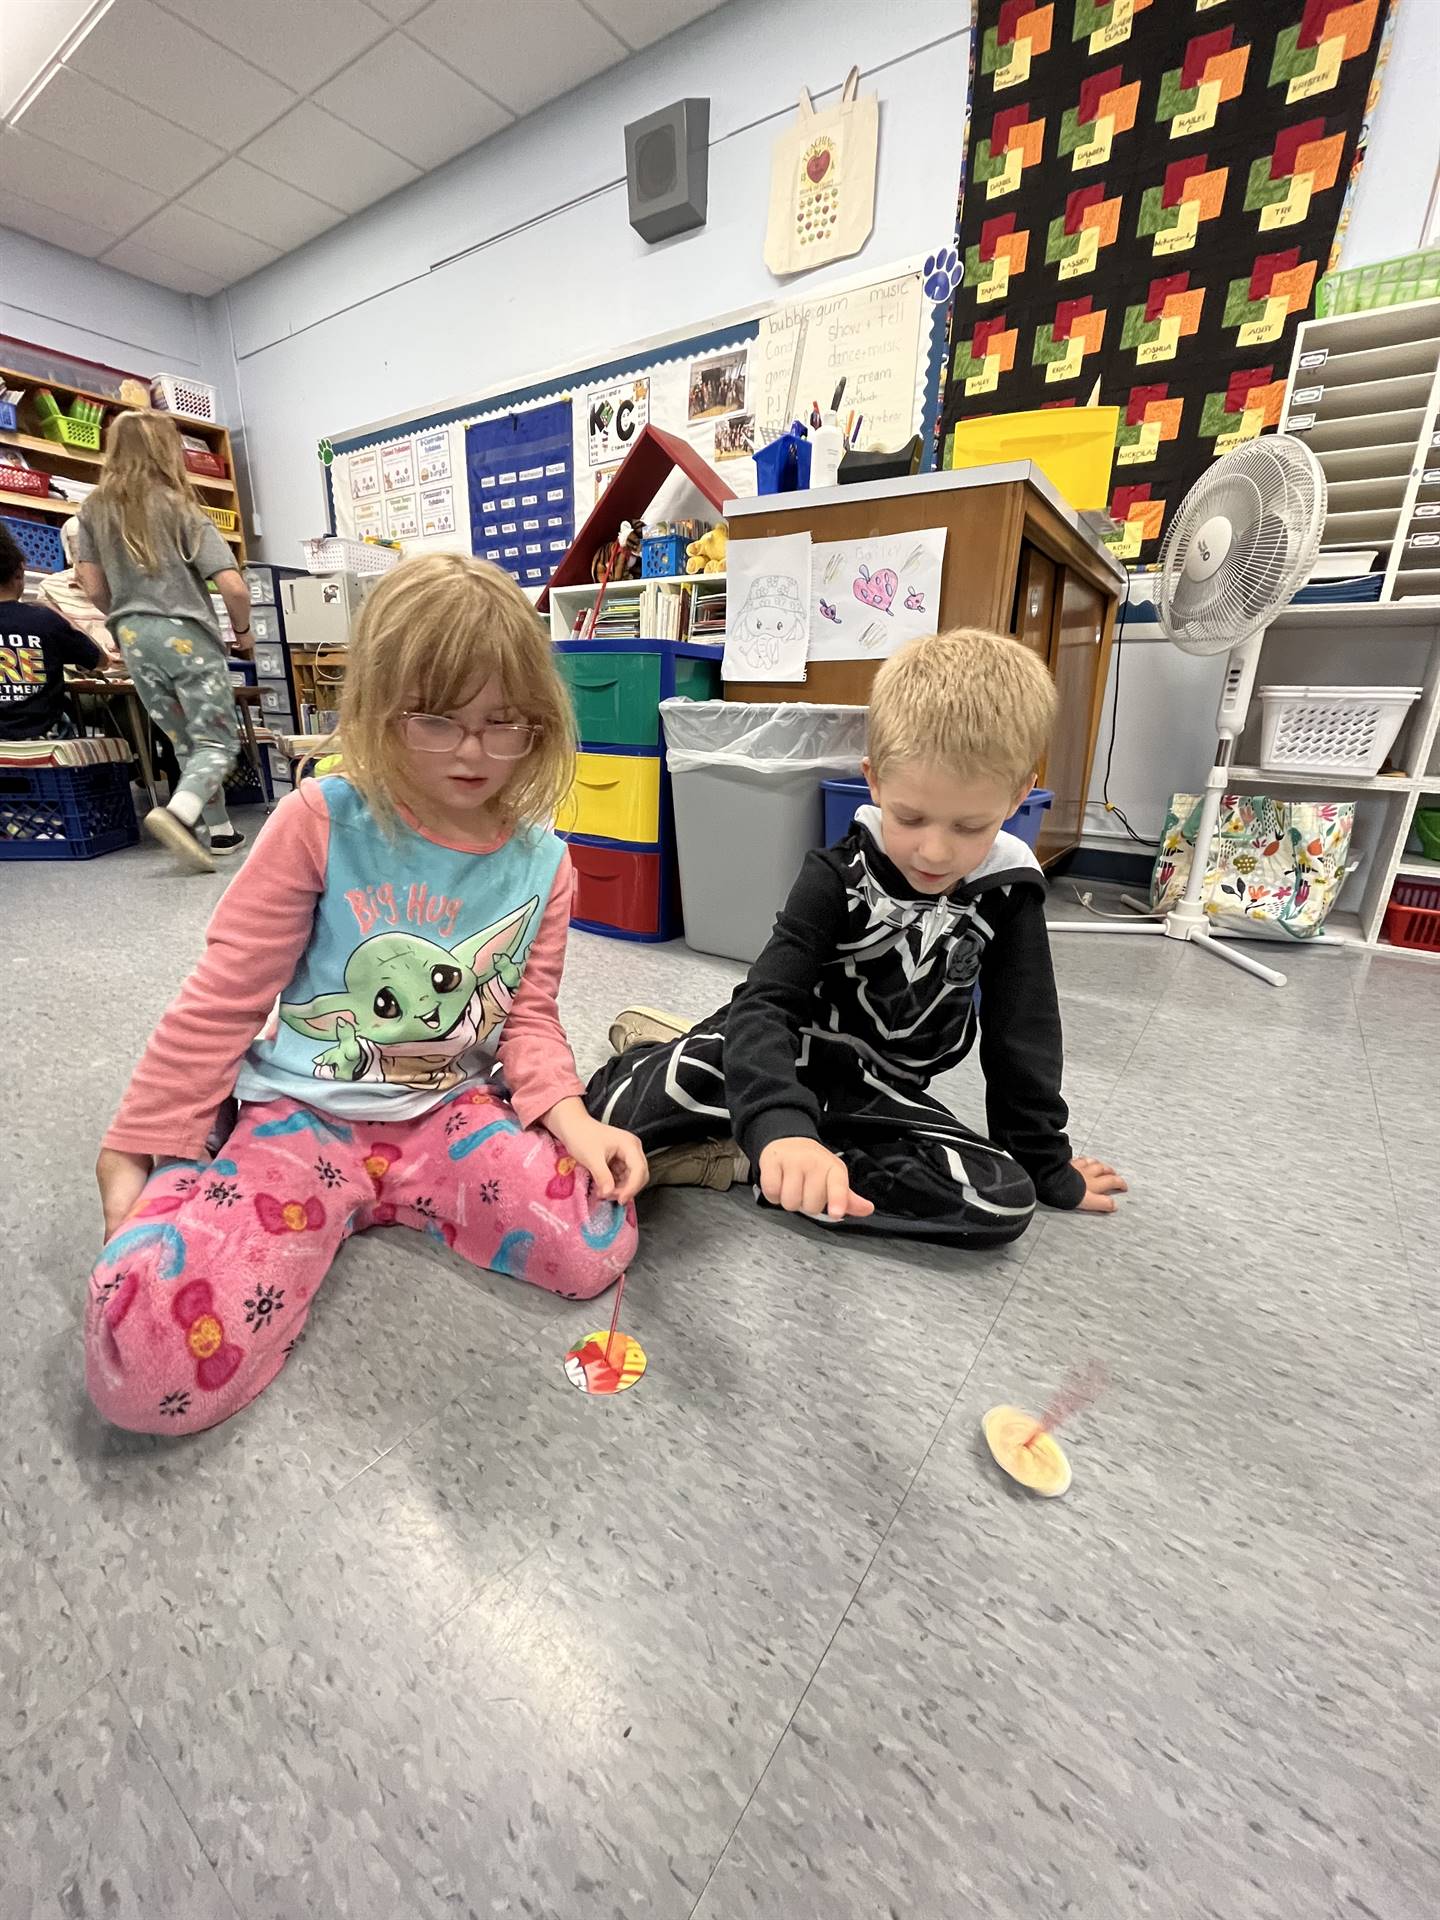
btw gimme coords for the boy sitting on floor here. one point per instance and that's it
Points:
(819, 1065)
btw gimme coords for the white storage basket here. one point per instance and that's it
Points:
(1331, 729)
(334, 555)
(177, 393)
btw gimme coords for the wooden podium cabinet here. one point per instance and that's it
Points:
(1017, 559)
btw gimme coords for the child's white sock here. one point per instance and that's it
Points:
(185, 807)
(223, 825)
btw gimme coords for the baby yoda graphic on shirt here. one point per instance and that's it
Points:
(411, 1009)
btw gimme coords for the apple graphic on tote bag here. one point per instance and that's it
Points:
(822, 182)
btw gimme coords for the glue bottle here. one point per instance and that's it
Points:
(827, 444)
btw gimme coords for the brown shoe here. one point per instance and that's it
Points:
(171, 831)
(716, 1164)
(645, 1027)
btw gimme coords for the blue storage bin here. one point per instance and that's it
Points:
(783, 466)
(843, 797)
(662, 556)
(66, 813)
(8, 420)
(41, 545)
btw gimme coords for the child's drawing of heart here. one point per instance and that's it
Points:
(877, 589)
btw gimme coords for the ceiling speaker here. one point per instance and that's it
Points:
(667, 169)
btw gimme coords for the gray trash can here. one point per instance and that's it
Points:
(745, 779)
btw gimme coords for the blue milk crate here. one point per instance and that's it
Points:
(844, 797)
(41, 545)
(662, 556)
(66, 813)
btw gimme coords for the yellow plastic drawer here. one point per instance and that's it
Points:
(616, 796)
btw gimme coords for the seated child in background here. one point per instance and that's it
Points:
(36, 646)
(411, 914)
(820, 1063)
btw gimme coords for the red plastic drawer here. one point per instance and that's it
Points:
(615, 887)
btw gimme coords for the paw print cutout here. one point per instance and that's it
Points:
(326, 453)
(942, 274)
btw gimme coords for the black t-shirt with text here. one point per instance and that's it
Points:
(36, 645)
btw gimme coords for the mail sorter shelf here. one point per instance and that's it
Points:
(618, 819)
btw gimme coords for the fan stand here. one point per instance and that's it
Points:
(1187, 919)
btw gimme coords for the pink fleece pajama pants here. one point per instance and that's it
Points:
(198, 1299)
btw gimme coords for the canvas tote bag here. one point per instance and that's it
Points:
(822, 182)
(1276, 863)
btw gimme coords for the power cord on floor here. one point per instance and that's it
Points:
(1106, 801)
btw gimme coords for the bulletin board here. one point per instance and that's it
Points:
(429, 481)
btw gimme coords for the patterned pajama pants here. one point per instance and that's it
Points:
(200, 1296)
(179, 671)
(929, 1176)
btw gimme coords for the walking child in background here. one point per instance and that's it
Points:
(820, 1064)
(36, 646)
(146, 552)
(411, 914)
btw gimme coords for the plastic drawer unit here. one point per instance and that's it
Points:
(617, 818)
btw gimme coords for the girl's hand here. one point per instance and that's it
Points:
(614, 1159)
(121, 1178)
(1101, 1182)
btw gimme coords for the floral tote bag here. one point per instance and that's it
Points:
(1276, 862)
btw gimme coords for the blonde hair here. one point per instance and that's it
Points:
(967, 701)
(145, 484)
(429, 637)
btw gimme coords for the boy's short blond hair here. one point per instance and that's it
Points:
(967, 701)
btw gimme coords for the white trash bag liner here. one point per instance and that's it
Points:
(762, 738)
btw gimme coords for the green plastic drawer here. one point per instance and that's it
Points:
(616, 697)
(697, 680)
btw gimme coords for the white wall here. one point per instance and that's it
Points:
(58, 299)
(356, 326)
(1166, 736)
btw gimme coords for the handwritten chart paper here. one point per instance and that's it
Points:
(870, 335)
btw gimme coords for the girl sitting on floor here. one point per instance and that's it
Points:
(411, 914)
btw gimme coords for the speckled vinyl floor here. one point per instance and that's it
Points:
(426, 1633)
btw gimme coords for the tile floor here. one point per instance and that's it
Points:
(426, 1633)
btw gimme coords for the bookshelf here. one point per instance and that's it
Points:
(700, 598)
(79, 463)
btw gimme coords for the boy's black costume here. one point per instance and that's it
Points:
(866, 991)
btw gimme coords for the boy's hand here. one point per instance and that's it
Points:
(803, 1177)
(121, 1178)
(1101, 1182)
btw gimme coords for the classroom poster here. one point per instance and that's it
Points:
(868, 597)
(432, 456)
(437, 510)
(367, 520)
(1154, 192)
(522, 489)
(364, 475)
(614, 417)
(402, 519)
(397, 466)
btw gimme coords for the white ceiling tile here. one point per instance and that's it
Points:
(397, 10)
(62, 180)
(117, 134)
(178, 73)
(252, 202)
(131, 257)
(44, 223)
(179, 233)
(522, 56)
(640, 23)
(312, 149)
(405, 98)
(302, 44)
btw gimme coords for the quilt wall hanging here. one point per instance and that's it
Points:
(1153, 188)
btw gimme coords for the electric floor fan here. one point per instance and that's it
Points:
(1242, 543)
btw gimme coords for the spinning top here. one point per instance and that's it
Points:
(606, 1362)
(1026, 1451)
